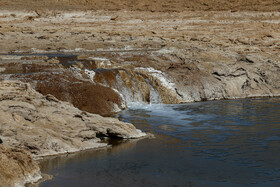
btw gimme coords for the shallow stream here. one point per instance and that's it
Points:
(213, 143)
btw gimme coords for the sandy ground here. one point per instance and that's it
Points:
(241, 32)
(146, 5)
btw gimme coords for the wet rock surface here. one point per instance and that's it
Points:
(105, 83)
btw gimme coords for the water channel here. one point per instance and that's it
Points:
(213, 143)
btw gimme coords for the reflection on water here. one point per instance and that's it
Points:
(82, 157)
(215, 143)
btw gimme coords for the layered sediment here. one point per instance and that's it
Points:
(173, 57)
(102, 56)
(43, 125)
(145, 5)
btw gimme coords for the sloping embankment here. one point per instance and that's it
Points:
(42, 125)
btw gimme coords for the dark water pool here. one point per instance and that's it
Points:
(215, 143)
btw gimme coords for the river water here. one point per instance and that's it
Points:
(213, 143)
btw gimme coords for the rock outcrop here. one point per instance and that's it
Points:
(31, 123)
(222, 76)
(43, 125)
(181, 78)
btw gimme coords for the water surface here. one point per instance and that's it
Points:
(214, 143)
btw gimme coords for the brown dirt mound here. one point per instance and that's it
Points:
(86, 96)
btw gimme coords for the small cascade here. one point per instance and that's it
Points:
(155, 97)
(131, 86)
(130, 92)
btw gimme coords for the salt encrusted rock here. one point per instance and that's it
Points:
(44, 125)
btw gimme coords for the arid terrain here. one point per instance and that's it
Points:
(185, 56)
(101, 56)
(145, 5)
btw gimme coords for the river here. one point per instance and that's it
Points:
(213, 143)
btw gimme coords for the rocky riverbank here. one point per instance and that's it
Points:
(31, 123)
(101, 57)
